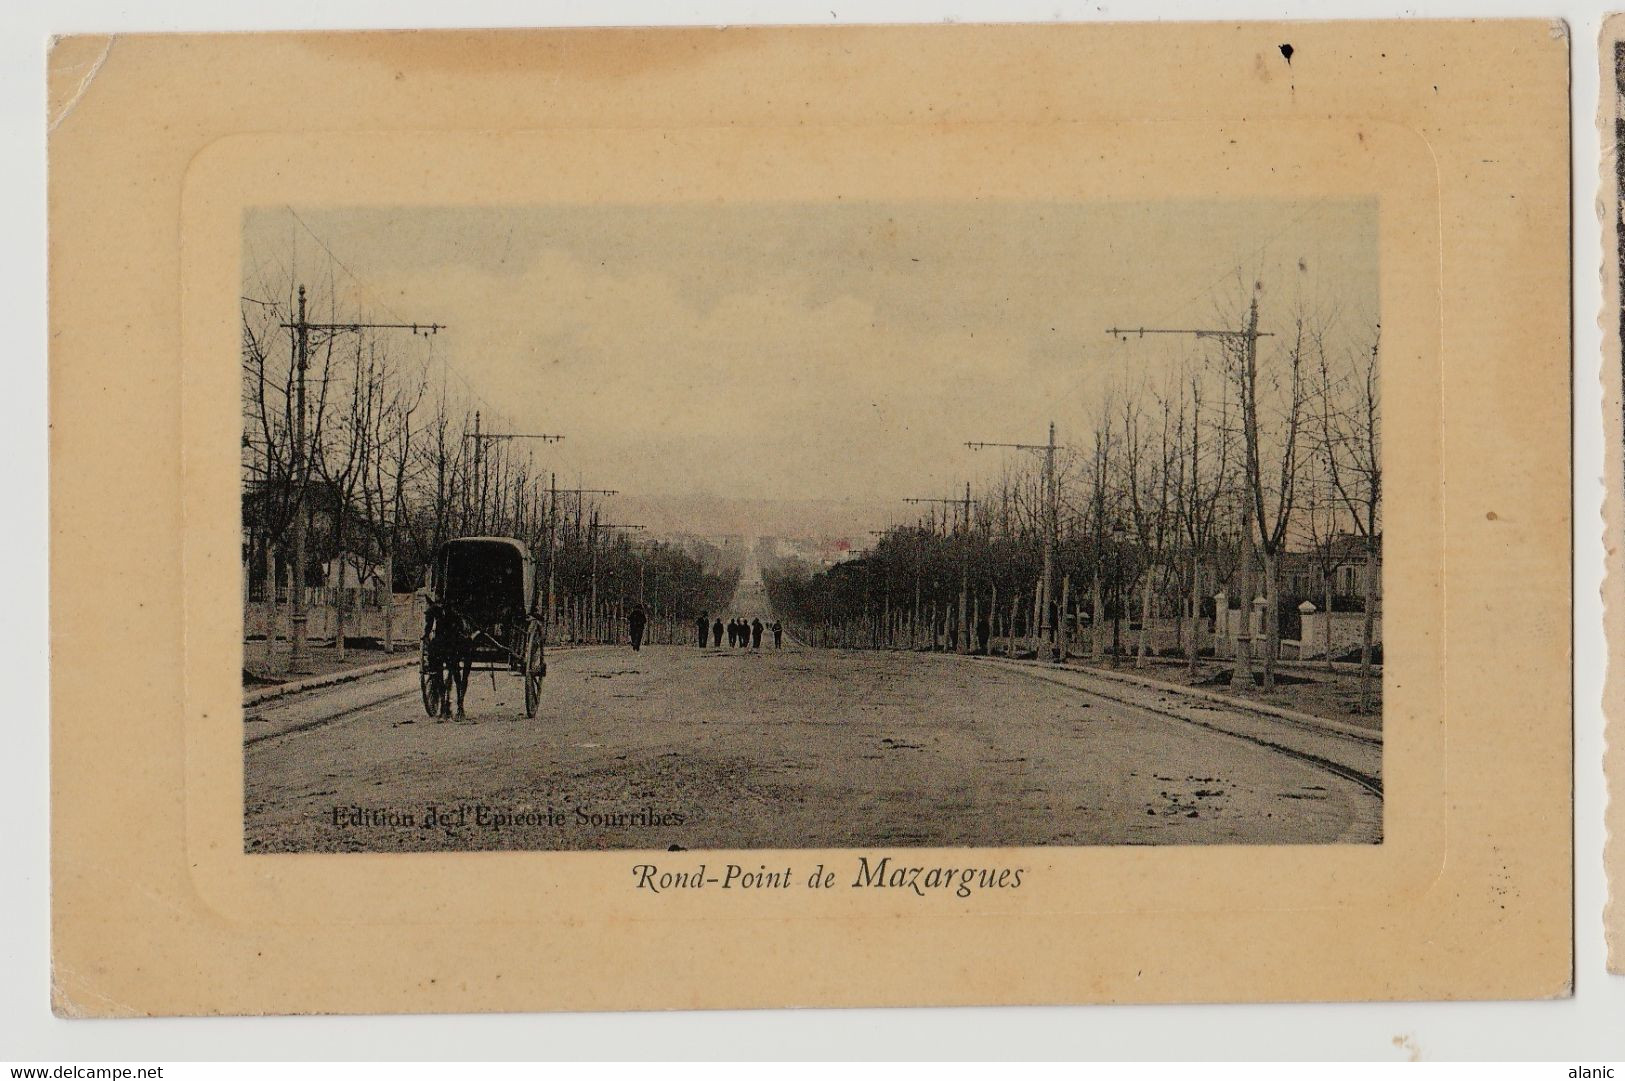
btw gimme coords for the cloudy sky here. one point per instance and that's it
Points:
(832, 352)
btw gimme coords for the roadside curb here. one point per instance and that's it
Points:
(349, 675)
(1308, 720)
(265, 694)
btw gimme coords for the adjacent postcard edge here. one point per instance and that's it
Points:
(1612, 377)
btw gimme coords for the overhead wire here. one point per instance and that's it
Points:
(370, 292)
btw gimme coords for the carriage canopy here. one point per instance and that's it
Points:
(488, 578)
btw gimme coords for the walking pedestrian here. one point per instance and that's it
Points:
(984, 631)
(756, 633)
(702, 624)
(716, 634)
(778, 635)
(635, 622)
(733, 633)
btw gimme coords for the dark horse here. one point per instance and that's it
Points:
(450, 652)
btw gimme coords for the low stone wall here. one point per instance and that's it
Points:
(1162, 635)
(405, 623)
(1347, 628)
(1166, 634)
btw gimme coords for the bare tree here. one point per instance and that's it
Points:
(344, 460)
(1271, 397)
(392, 466)
(267, 443)
(1350, 433)
(1204, 477)
(1100, 472)
(1146, 467)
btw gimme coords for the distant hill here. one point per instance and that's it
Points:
(826, 522)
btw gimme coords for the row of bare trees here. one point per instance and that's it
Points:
(391, 467)
(1244, 457)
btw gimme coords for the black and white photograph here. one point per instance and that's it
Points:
(688, 527)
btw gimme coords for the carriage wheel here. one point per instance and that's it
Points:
(432, 682)
(535, 669)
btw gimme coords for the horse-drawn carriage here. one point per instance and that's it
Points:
(482, 617)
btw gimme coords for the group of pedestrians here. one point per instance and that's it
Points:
(741, 633)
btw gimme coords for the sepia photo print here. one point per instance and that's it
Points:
(842, 525)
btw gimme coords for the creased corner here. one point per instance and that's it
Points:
(72, 997)
(63, 1004)
(72, 66)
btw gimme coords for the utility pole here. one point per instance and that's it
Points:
(1051, 524)
(885, 616)
(665, 611)
(552, 531)
(962, 530)
(297, 617)
(642, 548)
(554, 491)
(955, 503)
(964, 555)
(1242, 674)
(964, 575)
(592, 545)
(919, 574)
(480, 439)
(301, 328)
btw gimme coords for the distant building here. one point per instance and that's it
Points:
(1304, 574)
(350, 571)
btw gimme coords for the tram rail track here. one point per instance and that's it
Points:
(1366, 779)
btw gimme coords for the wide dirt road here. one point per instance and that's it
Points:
(675, 746)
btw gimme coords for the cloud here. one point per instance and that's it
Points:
(766, 392)
(819, 351)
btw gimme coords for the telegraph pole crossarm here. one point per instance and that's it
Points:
(1241, 674)
(961, 521)
(1051, 529)
(1123, 333)
(301, 329)
(593, 545)
(513, 435)
(955, 503)
(553, 493)
(480, 439)
(424, 329)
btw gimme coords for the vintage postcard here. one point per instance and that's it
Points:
(953, 511)
(1611, 204)
(750, 572)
